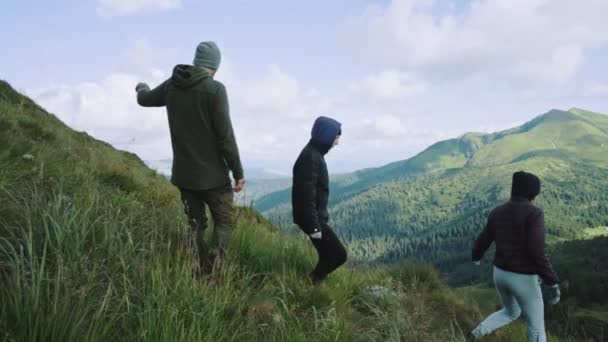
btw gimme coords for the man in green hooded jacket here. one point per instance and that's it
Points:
(203, 141)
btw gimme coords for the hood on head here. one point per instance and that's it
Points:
(325, 130)
(186, 76)
(525, 185)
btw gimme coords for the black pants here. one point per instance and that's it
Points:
(332, 253)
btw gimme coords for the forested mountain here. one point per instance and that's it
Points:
(431, 207)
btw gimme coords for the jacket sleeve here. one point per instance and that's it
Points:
(222, 127)
(535, 231)
(484, 240)
(307, 175)
(154, 97)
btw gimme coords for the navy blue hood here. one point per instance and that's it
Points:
(325, 130)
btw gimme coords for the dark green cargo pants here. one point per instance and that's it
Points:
(221, 206)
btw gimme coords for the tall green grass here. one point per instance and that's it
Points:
(77, 271)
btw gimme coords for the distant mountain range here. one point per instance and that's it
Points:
(163, 166)
(431, 206)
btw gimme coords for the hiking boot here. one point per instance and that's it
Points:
(315, 279)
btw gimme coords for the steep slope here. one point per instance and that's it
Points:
(431, 206)
(92, 249)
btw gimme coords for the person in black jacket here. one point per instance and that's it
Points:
(518, 229)
(310, 193)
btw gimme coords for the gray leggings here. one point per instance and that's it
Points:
(519, 293)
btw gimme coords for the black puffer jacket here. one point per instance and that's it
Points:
(518, 229)
(310, 190)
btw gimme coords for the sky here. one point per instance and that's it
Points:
(399, 75)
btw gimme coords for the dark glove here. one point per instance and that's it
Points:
(141, 86)
(553, 294)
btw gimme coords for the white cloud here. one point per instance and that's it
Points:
(597, 89)
(272, 114)
(279, 94)
(404, 132)
(512, 37)
(392, 84)
(563, 66)
(141, 54)
(107, 109)
(380, 139)
(124, 7)
(384, 126)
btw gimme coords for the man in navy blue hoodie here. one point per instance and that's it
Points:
(310, 194)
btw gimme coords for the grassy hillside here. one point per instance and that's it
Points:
(91, 249)
(431, 207)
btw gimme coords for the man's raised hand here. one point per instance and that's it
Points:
(141, 86)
